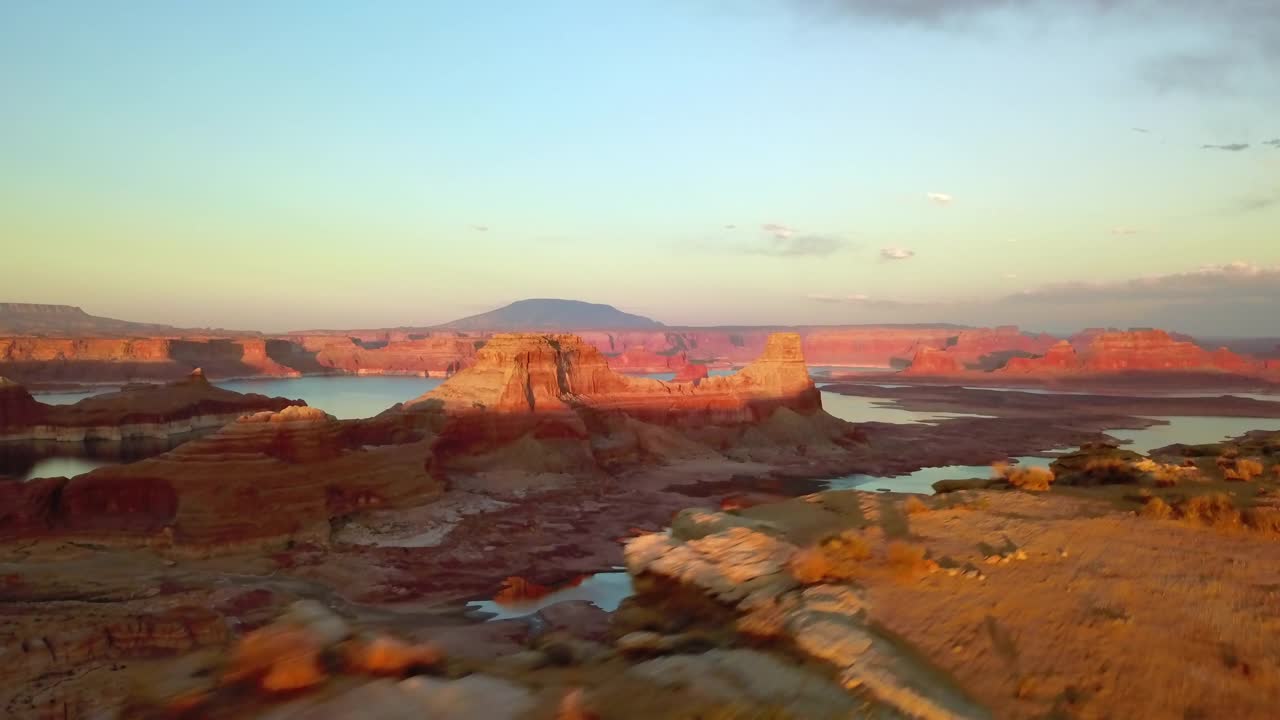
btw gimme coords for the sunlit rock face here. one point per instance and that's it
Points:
(552, 403)
(1144, 351)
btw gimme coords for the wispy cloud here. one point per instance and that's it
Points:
(1274, 143)
(1236, 280)
(896, 253)
(1231, 147)
(938, 198)
(730, 226)
(1255, 202)
(1140, 130)
(801, 245)
(1124, 230)
(865, 301)
(1234, 35)
(480, 228)
(778, 230)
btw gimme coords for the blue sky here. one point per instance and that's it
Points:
(292, 164)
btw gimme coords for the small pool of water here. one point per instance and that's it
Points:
(70, 398)
(605, 590)
(922, 480)
(55, 467)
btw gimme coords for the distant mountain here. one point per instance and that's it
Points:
(34, 319)
(68, 320)
(553, 314)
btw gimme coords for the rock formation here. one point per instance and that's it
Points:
(691, 372)
(266, 478)
(1138, 351)
(138, 411)
(931, 362)
(553, 401)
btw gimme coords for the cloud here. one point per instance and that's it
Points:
(896, 253)
(1230, 299)
(1201, 73)
(1232, 147)
(1140, 130)
(1125, 230)
(865, 301)
(1253, 203)
(800, 245)
(730, 227)
(480, 228)
(938, 198)
(782, 232)
(1274, 143)
(1235, 281)
(1233, 35)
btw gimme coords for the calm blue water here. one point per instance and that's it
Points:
(604, 590)
(342, 396)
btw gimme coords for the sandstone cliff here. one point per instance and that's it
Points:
(551, 403)
(266, 478)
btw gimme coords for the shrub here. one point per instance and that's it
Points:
(907, 560)
(1239, 469)
(838, 557)
(1216, 510)
(1155, 508)
(1110, 471)
(1037, 479)
(914, 506)
(1262, 519)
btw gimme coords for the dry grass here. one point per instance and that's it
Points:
(1214, 510)
(907, 561)
(914, 506)
(838, 557)
(1036, 479)
(1168, 475)
(1262, 519)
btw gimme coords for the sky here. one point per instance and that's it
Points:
(321, 164)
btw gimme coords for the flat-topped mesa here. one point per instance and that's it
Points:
(559, 392)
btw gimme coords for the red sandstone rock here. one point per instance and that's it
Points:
(643, 360)
(265, 479)
(1133, 351)
(551, 403)
(135, 411)
(691, 373)
(934, 363)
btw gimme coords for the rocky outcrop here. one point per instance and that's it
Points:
(643, 360)
(1138, 351)
(138, 411)
(692, 372)
(551, 402)
(268, 477)
(931, 362)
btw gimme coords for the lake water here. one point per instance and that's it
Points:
(855, 408)
(1189, 430)
(54, 467)
(605, 590)
(345, 397)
